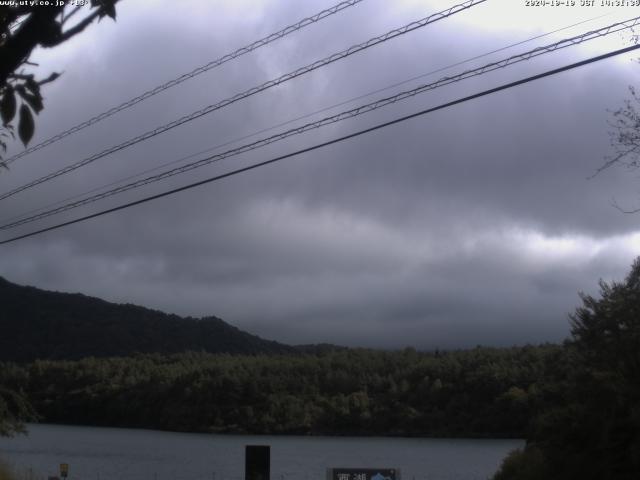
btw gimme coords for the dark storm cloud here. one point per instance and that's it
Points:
(476, 224)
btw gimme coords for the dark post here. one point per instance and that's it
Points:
(257, 462)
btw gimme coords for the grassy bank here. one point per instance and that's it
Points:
(6, 472)
(9, 472)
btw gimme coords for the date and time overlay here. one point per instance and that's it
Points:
(524, 3)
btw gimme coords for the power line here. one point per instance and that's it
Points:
(252, 91)
(193, 73)
(330, 142)
(362, 109)
(14, 26)
(307, 115)
(302, 117)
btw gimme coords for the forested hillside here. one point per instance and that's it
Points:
(81, 360)
(576, 403)
(484, 392)
(39, 324)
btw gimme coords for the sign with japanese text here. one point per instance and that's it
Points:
(364, 474)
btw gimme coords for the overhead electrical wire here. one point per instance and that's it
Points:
(330, 142)
(362, 109)
(186, 76)
(302, 117)
(252, 91)
(14, 26)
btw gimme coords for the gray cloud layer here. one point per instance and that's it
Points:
(476, 224)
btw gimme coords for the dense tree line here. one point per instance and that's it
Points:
(591, 430)
(483, 392)
(15, 409)
(578, 404)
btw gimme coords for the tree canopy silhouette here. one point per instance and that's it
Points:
(22, 29)
(592, 429)
(15, 409)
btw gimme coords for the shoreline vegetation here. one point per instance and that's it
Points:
(576, 404)
(9, 472)
(6, 473)
(477, 393)
(591, 430)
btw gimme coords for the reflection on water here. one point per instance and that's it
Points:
(126, 454)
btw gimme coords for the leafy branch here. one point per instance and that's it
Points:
(22, 29)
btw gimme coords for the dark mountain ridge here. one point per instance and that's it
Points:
(41, 324)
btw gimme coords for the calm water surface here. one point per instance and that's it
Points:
(125, 454)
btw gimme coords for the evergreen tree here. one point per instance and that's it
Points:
(592, 429)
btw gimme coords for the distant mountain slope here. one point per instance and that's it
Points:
(42, 324)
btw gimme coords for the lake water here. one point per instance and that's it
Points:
(126, 454)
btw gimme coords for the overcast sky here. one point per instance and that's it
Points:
(477, 224)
